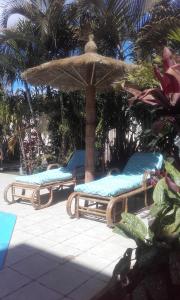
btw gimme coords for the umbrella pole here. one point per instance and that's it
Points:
(90, 132)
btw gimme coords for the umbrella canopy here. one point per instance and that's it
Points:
(90, 72)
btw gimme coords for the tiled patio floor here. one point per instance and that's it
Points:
(53, 257)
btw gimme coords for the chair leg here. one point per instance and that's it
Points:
(145, 198)
(77, 207)
(9, 194)
(126, 205)
(114, 213)
(109, 213)
(13, 192)
(35, 199)
(70, 201)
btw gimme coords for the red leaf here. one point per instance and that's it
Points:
(172, 79)
(175, 99)
(168, 60)
(159, 77)
(133, 91)
(168, 96)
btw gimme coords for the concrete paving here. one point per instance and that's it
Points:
(53, 257)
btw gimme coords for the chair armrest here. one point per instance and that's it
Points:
(145, 175)
(113, 170)
(53, 166)
(151, 176)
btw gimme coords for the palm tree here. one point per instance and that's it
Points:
(53, 21)
(113, 22)
(53, 29)
(46, 32)
(163, 19)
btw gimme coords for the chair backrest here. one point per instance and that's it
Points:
(143, 161)
(76, 160)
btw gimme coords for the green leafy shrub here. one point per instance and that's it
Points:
(156, 272)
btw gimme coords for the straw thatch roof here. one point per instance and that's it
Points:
(70, 74)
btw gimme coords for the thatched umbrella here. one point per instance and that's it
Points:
(90, 72)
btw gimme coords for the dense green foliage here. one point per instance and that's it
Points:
(53, 29)
(157, 30)
(157, 253)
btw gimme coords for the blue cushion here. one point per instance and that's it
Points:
(110, 186)
(46, 176)
(143, 161)
(131, 178)
(77, 159)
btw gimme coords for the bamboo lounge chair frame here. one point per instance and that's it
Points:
(17, 191)
(108, 208)
(110, 212)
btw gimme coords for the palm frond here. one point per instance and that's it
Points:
(174, 35)
(162, 19)
(9, 34)
(112, 21)
(27, 9)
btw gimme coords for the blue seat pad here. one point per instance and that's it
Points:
(140, 162)
(60, 174)
(111, 186)
(130, 179)
(77, 160)
(53, 175)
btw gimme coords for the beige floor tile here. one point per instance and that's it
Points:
(91, 262)
(60, 235)
(79, 226)
(10, 281)
(20, 237)
(82, 242)
(88, 290)
(64, 279)
(40, 243)
(108, 251)
(34, 291)
(61, 252)
(102, 233)
(35, 265)
(18, 253)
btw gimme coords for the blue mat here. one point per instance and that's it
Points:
(7, 222)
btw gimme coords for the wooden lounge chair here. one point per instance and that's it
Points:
(28, 187)
(108, 197)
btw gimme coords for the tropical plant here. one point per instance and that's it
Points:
(53, 29)
(143, 76)
(174, 39)
(168, 95)
(113, 113)
(53, 21)
(156, 272)
(22, 47)
(47, 31)
(154, 34)
(165, 100)
(113, 23)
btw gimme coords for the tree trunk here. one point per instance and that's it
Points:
(90, 132)
(28, 94)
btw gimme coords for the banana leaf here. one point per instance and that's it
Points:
(133, 227)
(161, 202)
(173, 172)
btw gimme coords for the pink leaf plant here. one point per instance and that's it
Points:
(168, 94)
